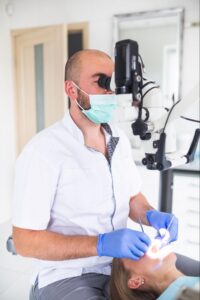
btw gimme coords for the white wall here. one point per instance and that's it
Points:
(7, 129)
(28, 13)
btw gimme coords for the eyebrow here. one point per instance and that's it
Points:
(98, 74)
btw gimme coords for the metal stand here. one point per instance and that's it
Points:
(166, 191)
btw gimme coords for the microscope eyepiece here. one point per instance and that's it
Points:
(104, 82)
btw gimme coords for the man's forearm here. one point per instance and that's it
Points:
(138, 208)
(49, 245)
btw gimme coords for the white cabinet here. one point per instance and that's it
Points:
(185, 205)
(186, 191)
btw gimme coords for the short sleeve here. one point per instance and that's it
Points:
(34, 190)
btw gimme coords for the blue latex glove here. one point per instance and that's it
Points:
(123, 243)
(160, 220)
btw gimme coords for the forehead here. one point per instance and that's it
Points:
(92, 65)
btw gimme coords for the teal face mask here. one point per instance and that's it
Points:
(102, 107)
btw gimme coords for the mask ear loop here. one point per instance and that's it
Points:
(80, 88)
(82, 109)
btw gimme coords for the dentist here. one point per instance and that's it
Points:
(76, 184)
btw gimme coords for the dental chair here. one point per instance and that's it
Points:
(10, 246)
(189, 294)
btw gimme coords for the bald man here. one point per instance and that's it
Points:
(75, 186)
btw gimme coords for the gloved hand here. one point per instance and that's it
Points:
(123, 243)
(160, 220)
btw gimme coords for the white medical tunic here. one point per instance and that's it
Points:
(61, 185)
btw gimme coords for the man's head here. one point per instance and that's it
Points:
(83, 60)
(84, 69)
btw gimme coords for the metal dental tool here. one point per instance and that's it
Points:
(140, 222)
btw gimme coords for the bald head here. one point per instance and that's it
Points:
(74, 64)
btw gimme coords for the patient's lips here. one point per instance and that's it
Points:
(156, 251)
(154, 248)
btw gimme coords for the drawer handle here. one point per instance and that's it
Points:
(193, 198)
(192, 242)
(192, 211)
(193, 226)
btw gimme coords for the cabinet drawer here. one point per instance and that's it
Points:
(186, 206)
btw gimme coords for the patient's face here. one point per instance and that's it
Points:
(154, 260)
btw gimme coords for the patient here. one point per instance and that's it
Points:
(154, 276)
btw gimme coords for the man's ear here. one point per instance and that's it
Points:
(70, 89)
(135, 282)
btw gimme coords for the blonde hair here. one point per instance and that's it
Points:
(119, 285)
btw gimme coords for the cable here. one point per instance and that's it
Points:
(189, 119)
(147, 82)
(143, 66)
(171, 109)
(185, 118)
(153, 87)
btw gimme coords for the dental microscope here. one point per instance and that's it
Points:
(141, 103)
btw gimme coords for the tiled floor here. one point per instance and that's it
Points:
(15, 271)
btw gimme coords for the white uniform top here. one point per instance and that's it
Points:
(63, 186)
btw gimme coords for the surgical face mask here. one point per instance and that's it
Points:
(102, 107)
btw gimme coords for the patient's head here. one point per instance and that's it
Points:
(142, 279)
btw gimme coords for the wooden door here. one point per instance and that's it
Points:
(40, 56)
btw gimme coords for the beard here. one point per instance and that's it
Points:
(83, 100)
